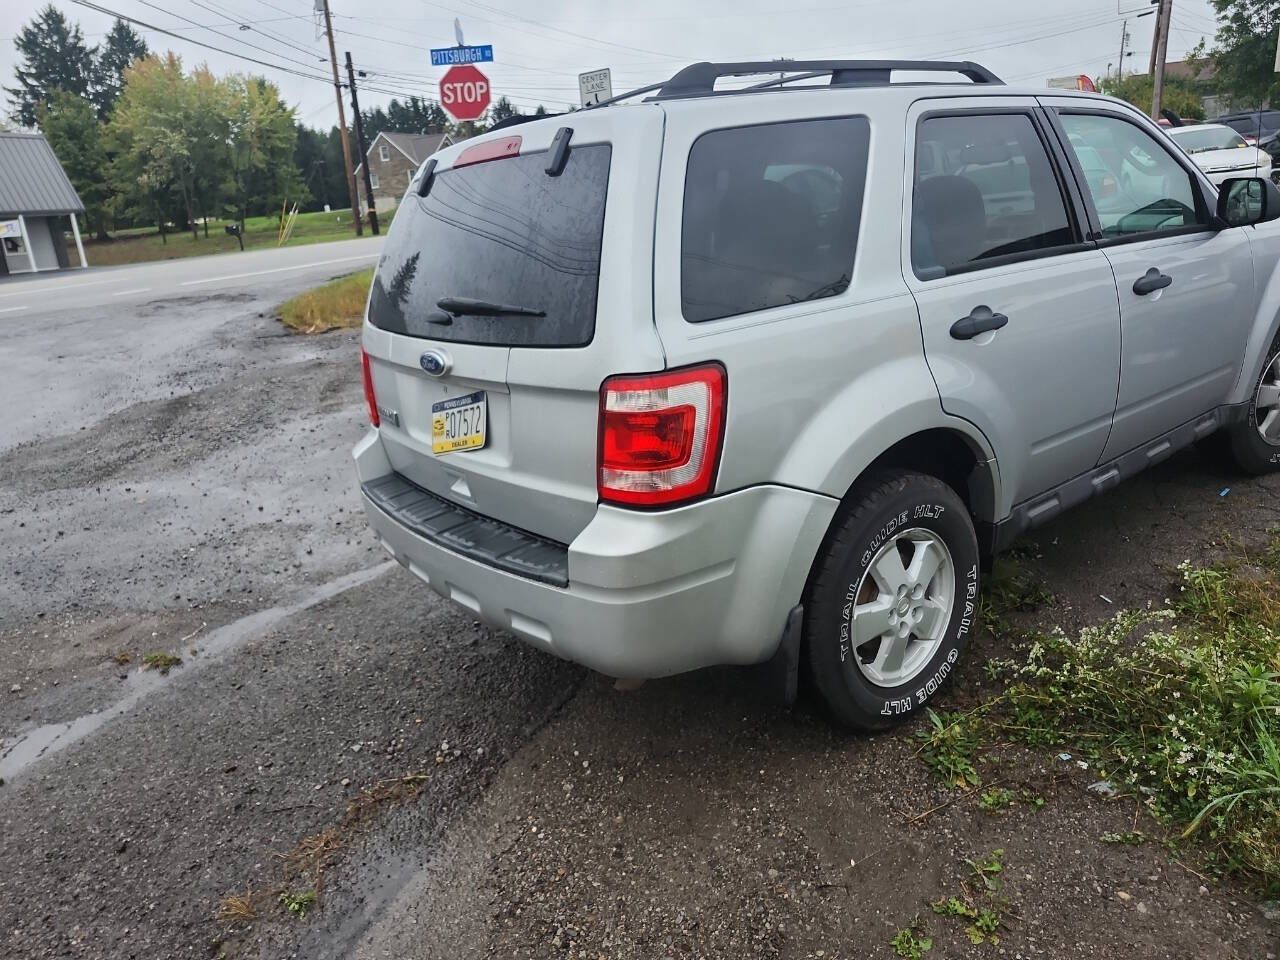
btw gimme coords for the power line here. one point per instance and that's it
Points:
(233, 20)
(106, 11)
(225, 36)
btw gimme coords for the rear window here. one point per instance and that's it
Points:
(504, 232)
(771, 215)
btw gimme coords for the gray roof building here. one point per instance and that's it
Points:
(35, 199)
(32, 182)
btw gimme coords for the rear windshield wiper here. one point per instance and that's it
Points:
(466, 307)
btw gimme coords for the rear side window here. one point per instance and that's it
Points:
(984, 188)
(504, 232)
(771, 215)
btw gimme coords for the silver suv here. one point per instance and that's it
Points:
(768, 374)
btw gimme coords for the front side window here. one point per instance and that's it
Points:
(984, 188)
(771, 215)
(1136, 184)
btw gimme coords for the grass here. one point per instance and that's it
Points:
(338, 303)
(161, 661)
(139, 246)
(1177, 706)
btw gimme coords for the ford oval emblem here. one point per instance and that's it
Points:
(435, 362)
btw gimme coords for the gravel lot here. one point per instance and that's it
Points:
(182, 485)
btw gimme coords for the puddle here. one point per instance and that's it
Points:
(43, 742)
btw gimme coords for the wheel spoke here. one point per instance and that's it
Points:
(925, 563)
(893, 650)
(870, 620)
(1270, 427)
(888, 571)
(1268, 395)
(934, 620)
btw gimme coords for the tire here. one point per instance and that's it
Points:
(1254, 443)
(919, 519)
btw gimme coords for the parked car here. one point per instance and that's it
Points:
(1221, 152)
(768, 375)
(1256, 126)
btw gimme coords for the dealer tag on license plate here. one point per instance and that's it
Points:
(460, 423)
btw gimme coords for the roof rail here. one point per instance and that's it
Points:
(699, 79)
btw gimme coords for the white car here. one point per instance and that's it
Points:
(1221, 152)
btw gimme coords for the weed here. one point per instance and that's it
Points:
(339, 303)
(986, 870)
(995, 798)
(161, 661)
(1180, 704)
(1032, 799)
(948, 745)
(237, 906)
(123, 658)
(299, 903)
(1130, 837)
(984, 922)
(907, 944)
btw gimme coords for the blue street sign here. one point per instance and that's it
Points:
(450, 56)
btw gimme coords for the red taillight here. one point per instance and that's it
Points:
(660, 435)
(489, 150)
(368, 389)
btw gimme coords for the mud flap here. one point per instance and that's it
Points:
(780, 674)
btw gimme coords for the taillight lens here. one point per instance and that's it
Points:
(660, 435)
(368, 389)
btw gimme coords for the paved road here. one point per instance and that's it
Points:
(175, 478)
(28, 295)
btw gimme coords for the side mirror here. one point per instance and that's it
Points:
(1243, 201)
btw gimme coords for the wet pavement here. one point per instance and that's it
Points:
(175, 479)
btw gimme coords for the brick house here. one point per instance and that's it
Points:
(393, 159)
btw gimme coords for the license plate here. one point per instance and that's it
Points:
(460, 423)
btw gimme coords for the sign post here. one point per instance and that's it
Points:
(464, 93)
(595, 86)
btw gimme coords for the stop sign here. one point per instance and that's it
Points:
(464, 92)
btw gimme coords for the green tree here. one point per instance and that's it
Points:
(71, 126)
(502, 109)
(261, 137)
(415, 115)
(53, 57)
(153, 133)
(1244, 50)
(1180, 95)
(122, 48)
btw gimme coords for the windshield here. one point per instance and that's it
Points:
(1207, 138)
(504, 232)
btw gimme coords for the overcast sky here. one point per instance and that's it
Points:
(539, 48)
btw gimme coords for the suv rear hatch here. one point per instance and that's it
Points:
(504, 296)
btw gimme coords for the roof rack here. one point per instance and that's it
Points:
(699, 79)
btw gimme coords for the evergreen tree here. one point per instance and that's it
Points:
(53, 57)
(122, 48)
(72, 129)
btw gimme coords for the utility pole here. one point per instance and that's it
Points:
(1124, 40)
(342, 125)
(1162, 46)
(364, 147)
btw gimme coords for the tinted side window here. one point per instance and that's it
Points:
(984, 187)
(771, 215)
(1136, 185)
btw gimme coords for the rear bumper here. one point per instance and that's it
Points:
(648, 594)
